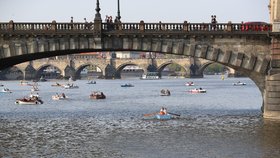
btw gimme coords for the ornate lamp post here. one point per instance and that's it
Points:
(97, 9)
(119, 14)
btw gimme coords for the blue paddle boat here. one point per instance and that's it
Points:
(163, 117)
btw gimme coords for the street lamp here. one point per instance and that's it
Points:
(119, 14)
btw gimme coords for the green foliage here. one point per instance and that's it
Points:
(175, 67)
(214, 68)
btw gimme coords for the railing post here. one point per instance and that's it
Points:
(229, 26)
(11, 25)
(119, 25)
(97, 27)
(53, 27)
(185, 26)
(142, 25)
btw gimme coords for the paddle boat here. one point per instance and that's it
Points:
(27, 101)
(197, 90)
(239, 84)
(6, 90)
(163, 117)
(97, 95)
(165, 92)
(160, 116)
(59, 97)
(31, 100)
(57, 85)
(70, 86)
(91, 82)
(189, 84)
(127, 85)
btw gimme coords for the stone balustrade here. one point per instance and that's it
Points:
(159, 27)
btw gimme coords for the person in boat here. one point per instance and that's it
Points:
(200, 88)
(163, 111)
(34, 98)
(167, 92)
(25, 99)
(63, 95)
(102, 94)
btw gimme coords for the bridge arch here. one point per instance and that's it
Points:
(163, 65)
(81, 67)
(39, 70)
(12, 73)
(204, 66)
(129, 63)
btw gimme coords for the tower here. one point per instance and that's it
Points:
(274, 11)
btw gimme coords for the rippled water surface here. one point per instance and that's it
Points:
(224, 122)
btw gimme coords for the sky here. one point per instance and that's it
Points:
(169, 11)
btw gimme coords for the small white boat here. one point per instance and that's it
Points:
(239, 84)
(197, 90)
(91, 82)
(97, 95)
(29, 101)
(70, 86)
(6, 90)
(127, 85)
(189, 84)
(59, 97)
(165, 92)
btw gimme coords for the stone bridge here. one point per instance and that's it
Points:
(249, 48)
(34, 68)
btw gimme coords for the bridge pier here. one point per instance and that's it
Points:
(111, 72)
(29, 73)
(69, 72)
(272, 83)
(195, 73)
(272, 97)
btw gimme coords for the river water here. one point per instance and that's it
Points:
(224, 122)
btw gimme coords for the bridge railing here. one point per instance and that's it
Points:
(186, 27)
(106, 27)
(11, 26)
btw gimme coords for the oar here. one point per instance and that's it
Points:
(174, 114)
(151, 114)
